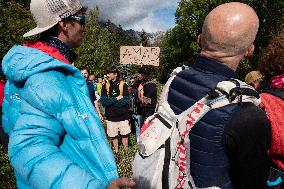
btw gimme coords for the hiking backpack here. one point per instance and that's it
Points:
(163, 158)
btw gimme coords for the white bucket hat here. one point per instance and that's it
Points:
(47, 13)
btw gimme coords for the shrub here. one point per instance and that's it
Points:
(7, 178)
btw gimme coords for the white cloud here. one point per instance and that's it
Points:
(135, 14)
(149, 24)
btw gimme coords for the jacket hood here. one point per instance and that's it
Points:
(21, 62)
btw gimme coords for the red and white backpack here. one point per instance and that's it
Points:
(163, 157)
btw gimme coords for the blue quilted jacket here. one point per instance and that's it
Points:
(209, 164)
(56, 138)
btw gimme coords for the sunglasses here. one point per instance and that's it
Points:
(80, 19)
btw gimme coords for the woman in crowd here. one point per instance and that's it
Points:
(147, 93)
(271, 65)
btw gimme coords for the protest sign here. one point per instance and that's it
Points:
(139, 55)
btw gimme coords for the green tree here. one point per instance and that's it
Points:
(123, 38)
(144, 39)
(15, 20)
(179, 45)
(94, 53)
(101, 45)
(97, 51)
(109, 26)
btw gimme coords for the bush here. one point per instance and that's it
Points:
(7, 178)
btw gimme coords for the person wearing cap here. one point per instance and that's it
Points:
(254, 78)
(56, 139)
(147, 93)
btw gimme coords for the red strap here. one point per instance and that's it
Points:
(145, 126)
(2, 84)
(51, 51)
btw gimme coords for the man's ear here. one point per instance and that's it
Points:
(63, 25)
(249, 51)
(199, 39)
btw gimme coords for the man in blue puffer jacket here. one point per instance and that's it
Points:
(56, 139)
(229, 145)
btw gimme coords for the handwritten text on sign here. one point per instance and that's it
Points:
(139, 55)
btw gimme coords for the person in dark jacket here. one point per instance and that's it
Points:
(115, 99)
(133, 114)
(92, 93)
(271, 65)
(147, 93)
(229, 145)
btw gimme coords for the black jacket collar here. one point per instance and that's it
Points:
(205, 63)
(69, 54)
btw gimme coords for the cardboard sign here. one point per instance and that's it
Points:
(139, 55)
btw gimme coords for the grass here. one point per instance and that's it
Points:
(124, 159)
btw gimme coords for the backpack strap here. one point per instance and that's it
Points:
(226, 92)
(237, 91)
(164, 93)
(107, 88)
(220, 96)
(121, 84)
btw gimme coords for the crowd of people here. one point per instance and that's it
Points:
(124, 103)
(53, 113)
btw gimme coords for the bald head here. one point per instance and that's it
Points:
(229, 30)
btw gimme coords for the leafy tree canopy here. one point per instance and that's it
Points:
(14, 22)
(101, 46)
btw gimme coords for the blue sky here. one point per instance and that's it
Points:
(166, 15)
(150, 15)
